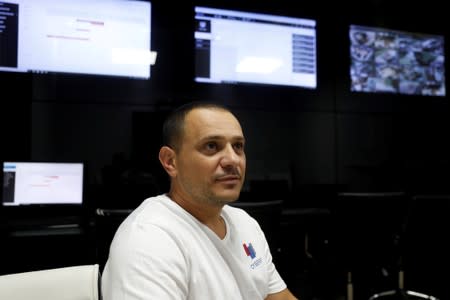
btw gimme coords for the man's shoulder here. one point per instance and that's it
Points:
(154, 219)
(157, 210)
(237, 214)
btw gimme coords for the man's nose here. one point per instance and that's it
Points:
(230, 157)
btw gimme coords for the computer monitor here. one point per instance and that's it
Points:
(244, 47)
(94, 37)
(397, 62)
(42, 184)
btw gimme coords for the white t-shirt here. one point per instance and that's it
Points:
(162, 252)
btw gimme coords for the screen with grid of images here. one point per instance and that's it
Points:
(389, 61)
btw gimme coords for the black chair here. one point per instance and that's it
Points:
(388, 240)
(425, 249)
(366, 228)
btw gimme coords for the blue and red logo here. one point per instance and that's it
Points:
(249, 250)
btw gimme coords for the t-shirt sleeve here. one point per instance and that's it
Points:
(140, 268)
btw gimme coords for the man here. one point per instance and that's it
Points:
(188, 243)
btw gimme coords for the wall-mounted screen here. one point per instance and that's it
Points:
(97, 37)
(42, 183)
(390, 61)
(242, 47)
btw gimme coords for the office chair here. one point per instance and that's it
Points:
(68, 283)
(424, 229)
(383, 218)
(366, 226)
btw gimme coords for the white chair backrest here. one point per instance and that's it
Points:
(69, 283)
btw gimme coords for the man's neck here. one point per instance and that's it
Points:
(205, 213)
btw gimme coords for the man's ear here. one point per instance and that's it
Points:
(167, 158)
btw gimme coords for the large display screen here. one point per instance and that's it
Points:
(389, 61)
(242, 47)
(98, 37)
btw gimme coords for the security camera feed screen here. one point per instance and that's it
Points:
(389, 61)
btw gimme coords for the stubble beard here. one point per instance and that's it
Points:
(207, 196)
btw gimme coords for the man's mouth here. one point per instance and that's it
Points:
(228, 178)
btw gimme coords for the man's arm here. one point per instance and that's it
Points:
(283, 295)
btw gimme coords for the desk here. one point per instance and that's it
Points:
(44, 248)
(54, 230)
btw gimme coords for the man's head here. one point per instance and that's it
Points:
(173, 127)
(203, 153)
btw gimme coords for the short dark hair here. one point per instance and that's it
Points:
(173, 127)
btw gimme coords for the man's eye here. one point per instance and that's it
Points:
(239, 146)
(211, 146)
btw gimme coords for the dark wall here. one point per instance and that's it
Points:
(15, 117)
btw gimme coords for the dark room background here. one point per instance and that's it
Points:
(328, 136)
(313, 142)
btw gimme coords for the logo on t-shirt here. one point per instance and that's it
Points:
(249, 250)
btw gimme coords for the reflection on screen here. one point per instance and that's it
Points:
(42, 183)
(235, 47)
(391, 61)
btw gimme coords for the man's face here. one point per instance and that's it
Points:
(211, 161)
